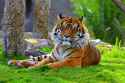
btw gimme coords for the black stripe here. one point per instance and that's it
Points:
(70, 53)
(57, 51)
(34, 59)
(39, 58)
(67, 49)
(79, 45)
(78, 27)
(53, 56)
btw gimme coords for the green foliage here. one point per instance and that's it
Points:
(104, 19)
(46, 49)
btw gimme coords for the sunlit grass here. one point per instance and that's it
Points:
(110, 70)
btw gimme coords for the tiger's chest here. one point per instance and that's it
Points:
(60, 53)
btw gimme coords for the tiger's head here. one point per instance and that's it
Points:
(70, 31)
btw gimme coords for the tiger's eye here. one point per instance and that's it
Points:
(81, 36)
(55, 33)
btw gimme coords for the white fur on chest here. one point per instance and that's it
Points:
(61, 52)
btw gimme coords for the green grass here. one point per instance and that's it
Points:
(110, 70)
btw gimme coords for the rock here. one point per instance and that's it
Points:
(33, 46)
(96, 42)
(99, 43)
(33, 43)
(34, 53)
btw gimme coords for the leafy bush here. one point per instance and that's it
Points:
(45, 49)
(103, 18)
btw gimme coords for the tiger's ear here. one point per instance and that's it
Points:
(81, 18)
(59, 16)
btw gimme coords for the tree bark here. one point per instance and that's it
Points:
(120, 4)
(41, 17)
(13, 26)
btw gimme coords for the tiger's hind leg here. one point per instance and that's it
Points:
(71, 62)
(57, 64)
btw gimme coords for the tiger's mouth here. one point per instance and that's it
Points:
(62, 41)
(66, 43)
(76, 42)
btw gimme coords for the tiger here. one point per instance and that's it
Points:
(27, 62)
(72, 46)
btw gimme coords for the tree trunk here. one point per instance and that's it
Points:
(41, 17)
(13, 26)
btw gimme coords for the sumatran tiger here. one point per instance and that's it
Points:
(72, 45)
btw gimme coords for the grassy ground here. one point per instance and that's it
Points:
(110, 70)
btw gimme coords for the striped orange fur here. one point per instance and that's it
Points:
(72, 46)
